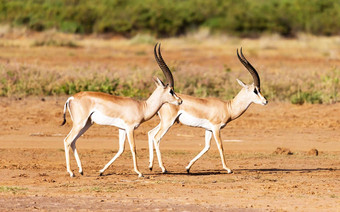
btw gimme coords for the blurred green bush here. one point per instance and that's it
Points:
(165, 18)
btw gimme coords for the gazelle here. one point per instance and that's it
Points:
(127, 114)
(209, 113)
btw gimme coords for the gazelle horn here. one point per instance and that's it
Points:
(163, 66)
(250, 68)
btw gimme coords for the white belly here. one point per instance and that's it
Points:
(101, 119)
(190, 120)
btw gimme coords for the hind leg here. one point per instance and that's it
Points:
(151, 136)
(73, 145)
(122, 136)
(164, 127)
(70, 141)
(208, 135)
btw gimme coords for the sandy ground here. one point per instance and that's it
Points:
(33, 173)
(32, 162)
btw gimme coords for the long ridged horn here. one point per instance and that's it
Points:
(163, 66)
(250, 68)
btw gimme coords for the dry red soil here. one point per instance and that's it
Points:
(33, 173)
(32, 161)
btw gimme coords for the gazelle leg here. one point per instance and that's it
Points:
(208, 135)
(164, 127)
(73, 145)
(131, 139)
(151, 136)
(217, 136)
(70, 141)
(122, 136)
(67, 156)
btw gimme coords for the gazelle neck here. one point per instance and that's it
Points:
(152, 105)
(239, 105)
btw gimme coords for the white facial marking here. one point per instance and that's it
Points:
(263, 100)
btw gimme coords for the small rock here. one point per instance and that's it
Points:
(282, 151)
(313, 152)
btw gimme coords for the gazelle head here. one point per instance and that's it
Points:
(253, 91)
(166, 90)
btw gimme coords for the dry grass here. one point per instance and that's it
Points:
(299, 70)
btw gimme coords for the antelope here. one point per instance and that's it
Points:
(212, 114)
(127, 114)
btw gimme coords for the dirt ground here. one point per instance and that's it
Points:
(32, 162)
(33, 173)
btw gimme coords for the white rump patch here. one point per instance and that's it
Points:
(101, 119)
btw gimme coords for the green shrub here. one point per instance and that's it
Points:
(11, 189)
(170, 18)
(56, 43)
(29, 81)
(306, 97)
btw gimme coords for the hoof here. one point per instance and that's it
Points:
(100, 173)
(188, 171)
(229, 171)
(150, 168)
(140, 175)
(165, 171)
(82, 173)
(72, 175)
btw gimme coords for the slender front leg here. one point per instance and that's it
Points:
(217, 136)
(208, 135)
(151, 136)
(122, 136)
(131, 139)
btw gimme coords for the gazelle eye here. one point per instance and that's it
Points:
(255, 91)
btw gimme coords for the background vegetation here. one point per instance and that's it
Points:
(164, 18)
(22, 81)
(144, 20)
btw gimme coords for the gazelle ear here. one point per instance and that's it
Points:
(241, 83)
(158, 82)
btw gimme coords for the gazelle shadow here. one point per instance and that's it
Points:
(275, 170)
(240, 171)
(235, 171)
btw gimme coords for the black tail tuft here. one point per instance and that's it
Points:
(65, 107)
(64, 122)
